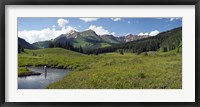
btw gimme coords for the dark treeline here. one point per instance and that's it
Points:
(102, 50)
(165, 41)
(66, 45)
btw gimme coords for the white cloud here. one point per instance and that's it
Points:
(100, 30)
(89, 19)
(128, 22)
(154, 33)
(172, 19)
(70, 28)
(141, 34)
(62, 22)
(116, 19)
(32, 36)
(113, 33)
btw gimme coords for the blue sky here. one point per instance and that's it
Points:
(39, 29)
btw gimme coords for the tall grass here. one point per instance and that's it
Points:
(156, 70)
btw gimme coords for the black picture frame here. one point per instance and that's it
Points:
(99, 2)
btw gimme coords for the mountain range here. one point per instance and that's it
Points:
(89, 39)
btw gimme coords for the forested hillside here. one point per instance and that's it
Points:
(164, 41)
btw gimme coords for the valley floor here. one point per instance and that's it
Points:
(157, 70)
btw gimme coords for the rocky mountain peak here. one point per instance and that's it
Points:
(72, 32)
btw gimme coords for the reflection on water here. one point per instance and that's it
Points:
(48, 76)
(45, 73)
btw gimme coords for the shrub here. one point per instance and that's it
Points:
(121, 52)
(164, 49)
(141, 75)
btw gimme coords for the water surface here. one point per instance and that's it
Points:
(41, 81)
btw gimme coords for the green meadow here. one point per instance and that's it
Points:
(154, 70)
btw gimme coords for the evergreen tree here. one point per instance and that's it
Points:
(178, 50)
(22, 49)
(164, 49)
(80, 49)
(121, 52)
(51, 45)
(19, 49)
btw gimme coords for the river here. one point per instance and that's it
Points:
(43, 80)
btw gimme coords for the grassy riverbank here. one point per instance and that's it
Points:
(23, 71)
(111, 70)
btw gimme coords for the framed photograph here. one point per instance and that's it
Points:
(100, 53)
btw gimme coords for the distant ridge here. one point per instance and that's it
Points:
(24, 44)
